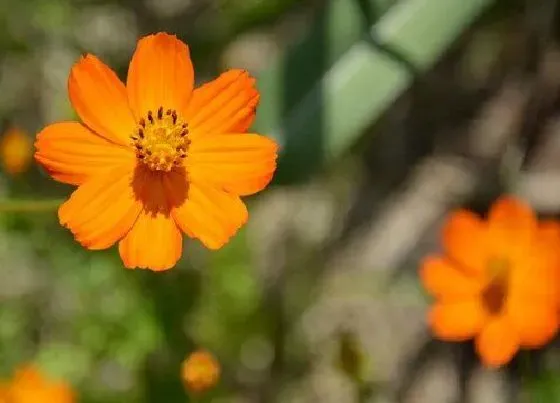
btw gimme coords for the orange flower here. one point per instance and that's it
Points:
(498, 281)
(200, 371)
(156, 158)
(29, 386)
(15, 151)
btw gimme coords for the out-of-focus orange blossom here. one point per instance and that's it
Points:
(16, 151)
(497, 281)
(29, 385)
(200, 371)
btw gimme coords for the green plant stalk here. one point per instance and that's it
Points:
(29, 206)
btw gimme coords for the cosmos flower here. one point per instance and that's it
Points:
(497, 281)
(155, 159)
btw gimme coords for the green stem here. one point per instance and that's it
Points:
(32, 206)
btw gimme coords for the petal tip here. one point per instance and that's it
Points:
(154, 268)
(511, 206)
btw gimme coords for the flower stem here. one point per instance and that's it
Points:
(31, 206)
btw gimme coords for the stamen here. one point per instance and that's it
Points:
(161, 142)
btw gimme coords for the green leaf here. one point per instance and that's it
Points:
(318, 99)
(545, 388)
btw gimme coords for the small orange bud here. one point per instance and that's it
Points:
(200, 371)
(15, 151)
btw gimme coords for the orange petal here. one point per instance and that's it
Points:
(224, 105)
(154, 243)
(535, 274)
(464, 240)
(445, 281)
(547, 242)
(457, 320)
(536, 278)
(511, 226)
(549, 232)
(100, 99)
(497, 343)
(103, 209)
(207, 213)
(535, 323)
(72, 154)
(238, 163)
(4, 392)
(160, 74)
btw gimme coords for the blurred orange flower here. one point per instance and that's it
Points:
(200, 371)
(30, 386)
(497, 282)
(156, 158)
(15, 151)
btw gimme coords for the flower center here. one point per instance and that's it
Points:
(161, 140)
(495, 294)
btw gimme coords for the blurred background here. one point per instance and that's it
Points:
(390, 113)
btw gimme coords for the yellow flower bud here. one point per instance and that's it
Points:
(200, 371)
(15, 151)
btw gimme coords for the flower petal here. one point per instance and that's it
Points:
(4, 392)
(103, 209)
(445, 281)
(511, 226)
(160, 74)
(548, 233)
(497, 343)
(225, 105)
(207, 213)
(535, 278)
(457, 320)
(238, 163)
(100, 99)
(71, 153)
(537, 275)
(464, 240)
(535, 323)
(153, 243)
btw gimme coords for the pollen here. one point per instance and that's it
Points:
(161, 140)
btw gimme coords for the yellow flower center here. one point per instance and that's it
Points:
(161, 140)
(495, 294)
